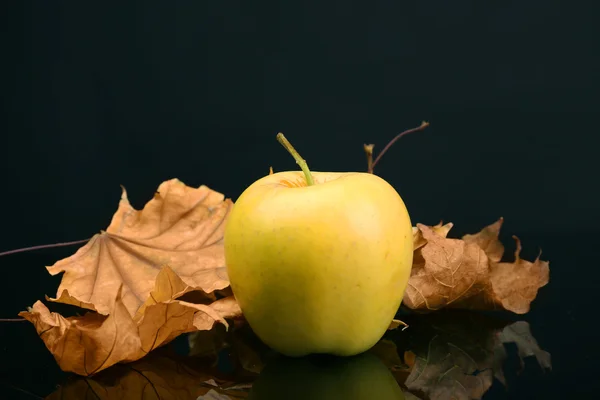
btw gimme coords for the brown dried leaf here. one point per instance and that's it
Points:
(153, 275)
(511, 285)
(515, 285)
(181, 227)
(488, 240)
(441, 229)
(453, 273)
(450, 270)
(91, 343)
(88, 344)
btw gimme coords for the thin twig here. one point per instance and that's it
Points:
(43, 246)
(12, 319)
(423, 125)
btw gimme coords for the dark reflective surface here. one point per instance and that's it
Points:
(548, 353)
(445, 355)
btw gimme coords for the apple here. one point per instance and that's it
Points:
(360, 377)
(319, 262)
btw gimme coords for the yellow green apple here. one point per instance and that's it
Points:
(362, 377)
(319, 261)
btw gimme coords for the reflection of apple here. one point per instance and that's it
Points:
(359, 377)
(320, 268)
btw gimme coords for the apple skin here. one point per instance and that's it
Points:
(321, 268)
(362, 377)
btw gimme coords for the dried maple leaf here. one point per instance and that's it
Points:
(89, 344)
(441, 229)
(466, 273)
(511, 285)
(450, 270)
(487, 239)
(515, 285)
(151, 276)
(181, 227)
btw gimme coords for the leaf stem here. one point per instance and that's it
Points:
(299, 160)
(18, 389)
(370, 168)
(43, 246)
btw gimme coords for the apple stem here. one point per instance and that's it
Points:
(299, 160)
(369, 149)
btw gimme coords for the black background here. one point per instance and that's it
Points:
(98, 95)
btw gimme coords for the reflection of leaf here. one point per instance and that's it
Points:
(212, 394)
(153, 275)
(456, 354)
(157, 376)
(467, 273)
(447, 371)
(520, 334)
(163, 374)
